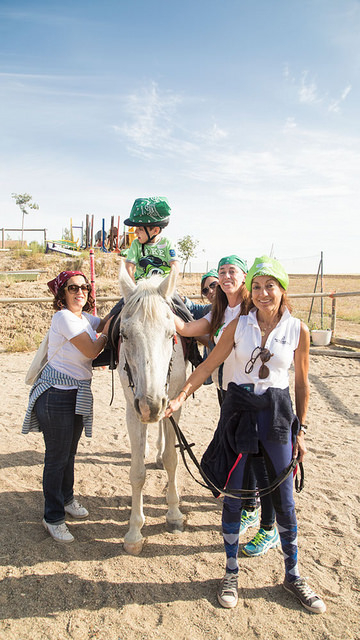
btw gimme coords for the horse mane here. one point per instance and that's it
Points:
(147, 298)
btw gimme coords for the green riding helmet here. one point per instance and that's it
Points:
(149, 212)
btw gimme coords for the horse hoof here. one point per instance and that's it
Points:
(134, 548)
(175, 527)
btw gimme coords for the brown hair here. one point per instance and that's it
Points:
(59, 299)
(221, 302)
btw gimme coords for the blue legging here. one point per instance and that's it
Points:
(277, 457)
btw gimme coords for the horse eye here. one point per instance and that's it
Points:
(123, 335)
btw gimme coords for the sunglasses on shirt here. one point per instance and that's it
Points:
(74, 288)
(264, 355)
(211, 286)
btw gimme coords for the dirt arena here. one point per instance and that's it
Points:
(93, 590)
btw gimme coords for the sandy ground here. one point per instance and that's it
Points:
(93, 589)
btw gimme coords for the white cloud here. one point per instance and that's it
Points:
(308, 92)
(334, 106)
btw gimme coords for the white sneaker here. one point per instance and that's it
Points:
(59, 532)
(227, 593)
(76, 510)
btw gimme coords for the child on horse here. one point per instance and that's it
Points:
(149, 253)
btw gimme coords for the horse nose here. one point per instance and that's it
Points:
(150, 409)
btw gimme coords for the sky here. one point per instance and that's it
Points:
(245, 115)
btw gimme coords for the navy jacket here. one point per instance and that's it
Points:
(237, 430)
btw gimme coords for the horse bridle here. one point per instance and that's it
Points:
(129, 374)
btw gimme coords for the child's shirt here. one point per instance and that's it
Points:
(157, 257)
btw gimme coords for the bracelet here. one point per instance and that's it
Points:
(103, 335)
(303, 428)
(183, 391)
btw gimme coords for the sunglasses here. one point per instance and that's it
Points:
(211, 286)
(264, 355)
(74, 288)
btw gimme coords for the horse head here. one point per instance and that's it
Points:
(147, 335)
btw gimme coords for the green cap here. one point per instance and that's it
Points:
(265, 266)
(210, 274)
(234, 260)
(149, 211)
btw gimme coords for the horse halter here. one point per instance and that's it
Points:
(129, 374)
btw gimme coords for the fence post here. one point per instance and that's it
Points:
(333, 318)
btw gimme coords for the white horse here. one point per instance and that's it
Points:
(151, 369)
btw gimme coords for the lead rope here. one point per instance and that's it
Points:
(183, 446)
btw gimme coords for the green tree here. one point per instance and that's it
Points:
(23, 201)
(187, 249)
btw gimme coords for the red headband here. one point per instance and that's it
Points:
(59, 281)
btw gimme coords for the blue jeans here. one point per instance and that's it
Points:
(62, 428)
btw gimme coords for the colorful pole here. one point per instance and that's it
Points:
(92, 277)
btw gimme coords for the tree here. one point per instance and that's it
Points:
(23, 200)
(187, 249)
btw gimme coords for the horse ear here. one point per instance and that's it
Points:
(127, 285)
(168, 285)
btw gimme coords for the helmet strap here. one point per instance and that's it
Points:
(149, 238)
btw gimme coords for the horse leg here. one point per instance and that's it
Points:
(133, 541)
(160, 446)
(174, 517)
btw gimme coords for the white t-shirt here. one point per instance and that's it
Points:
(68, 359)
(229, 315)
(281, 342)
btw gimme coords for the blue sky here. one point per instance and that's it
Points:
(244, 114)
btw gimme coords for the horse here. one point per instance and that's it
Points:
(152, 368)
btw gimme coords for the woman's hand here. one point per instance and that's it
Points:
(300, 449)
(175, 404)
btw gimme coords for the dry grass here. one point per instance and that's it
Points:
(24, 325)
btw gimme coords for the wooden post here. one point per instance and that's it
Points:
(333, 318)
(118, 231)
(92, 276)
(111, 233)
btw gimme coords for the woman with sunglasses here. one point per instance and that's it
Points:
(60, 402)
(229, 300)
(209, 282)
(257, 417)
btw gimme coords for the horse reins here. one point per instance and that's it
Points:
(184, 446)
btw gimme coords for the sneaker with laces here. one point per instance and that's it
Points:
(248, 519)
(227, 593)
(59, 532)
(262, 542)
(76, 510)
(308, 598)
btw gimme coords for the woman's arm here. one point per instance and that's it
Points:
(302, 388)
(102, 323)
(205, 369)
(89, 348)
(192, 329)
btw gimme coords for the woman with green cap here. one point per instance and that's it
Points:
(257, 417)
(231, 298)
